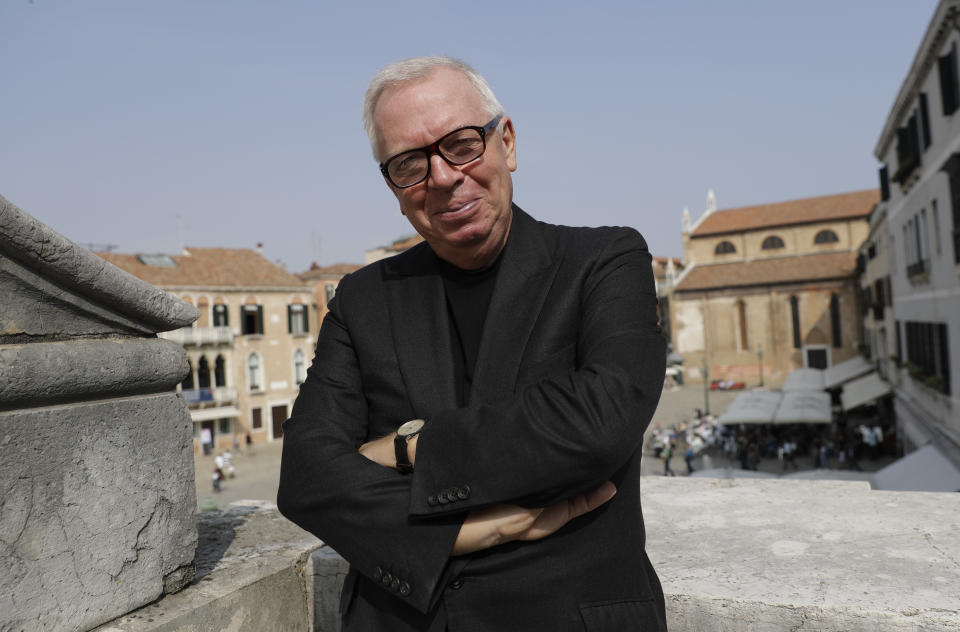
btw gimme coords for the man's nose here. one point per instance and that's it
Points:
(443, 175)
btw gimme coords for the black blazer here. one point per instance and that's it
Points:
(569, 373)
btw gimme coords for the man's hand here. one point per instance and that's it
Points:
(499, 524)
(381, 450)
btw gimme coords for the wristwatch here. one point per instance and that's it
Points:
(404, 433)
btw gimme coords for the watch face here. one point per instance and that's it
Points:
(410, 428)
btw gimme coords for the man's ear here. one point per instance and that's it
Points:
(509, 139)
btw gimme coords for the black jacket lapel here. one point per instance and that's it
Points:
(421, 330)
(526, 274)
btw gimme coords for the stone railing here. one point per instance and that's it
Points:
(199, 336)
(732, 555)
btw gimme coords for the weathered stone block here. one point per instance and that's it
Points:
(97, 510)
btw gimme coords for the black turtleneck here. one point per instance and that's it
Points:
(468, 298)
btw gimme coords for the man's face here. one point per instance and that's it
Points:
(463, 212)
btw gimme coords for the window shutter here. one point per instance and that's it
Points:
(949, 94)
(925, 120)
(305, 314)
(260, 319)
(884, 184)
(289, 319)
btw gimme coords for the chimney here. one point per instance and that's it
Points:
(259, 247)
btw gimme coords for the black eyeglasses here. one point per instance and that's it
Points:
(458, 148)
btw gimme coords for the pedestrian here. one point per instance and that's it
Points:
(249, 444)
(217, 477)
(219, 461)
(688, 457)
(665, 454)
(228, 468)
(206, 440)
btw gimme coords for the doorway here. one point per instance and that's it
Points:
(279, 415)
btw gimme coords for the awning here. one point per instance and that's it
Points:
(752, 407)
(774, 407)
(845, 371)
(925, 470)
(804, 380)
(811, 407)
(206, 414)
(863, 390)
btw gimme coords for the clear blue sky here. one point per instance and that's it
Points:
(243, 118)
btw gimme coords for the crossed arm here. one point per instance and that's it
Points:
(493, 525)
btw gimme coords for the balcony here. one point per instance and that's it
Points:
(200, 336)
(918, 269)
(202, 397)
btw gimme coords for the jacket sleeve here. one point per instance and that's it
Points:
(354, 505)
(567, 433)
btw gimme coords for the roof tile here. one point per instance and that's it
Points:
(794, 269)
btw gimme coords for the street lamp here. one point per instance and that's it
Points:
(706, 387)
(760, 352)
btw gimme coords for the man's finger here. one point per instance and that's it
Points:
(591, 500)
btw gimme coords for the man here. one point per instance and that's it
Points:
(532, 354)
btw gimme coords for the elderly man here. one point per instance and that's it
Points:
(469, 434)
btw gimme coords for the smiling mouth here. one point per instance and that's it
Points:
(457, 210)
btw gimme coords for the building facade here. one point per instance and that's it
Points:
(919, 148)
(770, 288)
(324, 281)
(249, 350)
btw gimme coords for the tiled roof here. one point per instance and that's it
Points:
(208, 267)
(805, 211)
(404, 244)
(796, 269)
(335, 270)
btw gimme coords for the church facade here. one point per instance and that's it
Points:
(770, 288)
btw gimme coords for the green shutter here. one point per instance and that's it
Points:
(260, 319)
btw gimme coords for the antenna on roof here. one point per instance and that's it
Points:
(100, 247)
(180, 231)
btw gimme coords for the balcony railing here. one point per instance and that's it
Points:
(218, 396)
(199, 336)
(917, 268)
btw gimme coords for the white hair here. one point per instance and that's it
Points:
(418, 68)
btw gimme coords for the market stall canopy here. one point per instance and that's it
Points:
(774, 407)
(752, 407)
(845, 371)
(804, 380)
(810, 407)
(925, 470)
(863, 390)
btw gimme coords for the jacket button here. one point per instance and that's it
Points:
(386, 578)
(377, 574)
(464, 492)
(442, 497)
(456, 584)
(433, 500)
(404, 589)
(395, 585)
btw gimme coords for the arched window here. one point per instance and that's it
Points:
(299, 367)
(795, 317)
(220, 372)
(203, 373)
(826, 236)
(187, 383)
(254, 372)
(724, 248)
(835, 320)
(772, 243)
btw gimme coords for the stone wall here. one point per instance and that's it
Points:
(97, 500)
(733, 556)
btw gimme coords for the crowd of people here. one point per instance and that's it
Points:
(835, 446)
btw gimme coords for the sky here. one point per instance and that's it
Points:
(149, 126)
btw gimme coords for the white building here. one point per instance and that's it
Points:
(920, 181)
